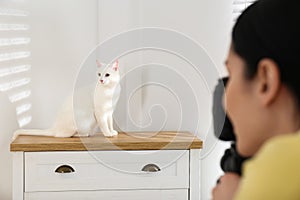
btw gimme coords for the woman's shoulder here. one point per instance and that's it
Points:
(274, 172)
(284, 144)
(279, 152)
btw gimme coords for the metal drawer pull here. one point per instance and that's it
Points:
(64, 169)
(151, 168)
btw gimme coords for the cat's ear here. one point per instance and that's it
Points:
(115, 65)
(98, 63)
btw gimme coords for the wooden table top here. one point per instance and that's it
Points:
(167, 140)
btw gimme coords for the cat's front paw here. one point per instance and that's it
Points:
(108, 134)
(114, 132)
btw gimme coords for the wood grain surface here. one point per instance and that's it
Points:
(124, 141)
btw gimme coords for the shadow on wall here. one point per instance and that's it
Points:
(8, 124)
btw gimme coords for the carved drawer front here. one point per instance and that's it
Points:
(178, 194)
(106, 170)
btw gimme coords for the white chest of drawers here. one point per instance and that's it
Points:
(131, 166)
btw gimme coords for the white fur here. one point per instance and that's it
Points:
(88, 108)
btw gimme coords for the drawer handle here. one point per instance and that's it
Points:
(64, 169)
(151, 168)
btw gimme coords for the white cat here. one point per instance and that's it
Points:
(92, 106)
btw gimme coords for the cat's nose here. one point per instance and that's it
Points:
(101, 81)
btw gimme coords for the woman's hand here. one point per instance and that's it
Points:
(226, 187)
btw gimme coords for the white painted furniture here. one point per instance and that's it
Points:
(132, 166)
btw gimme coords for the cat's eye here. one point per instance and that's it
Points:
(107, 75)
(99, 74)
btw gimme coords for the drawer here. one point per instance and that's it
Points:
(105, 170)
(180, 194)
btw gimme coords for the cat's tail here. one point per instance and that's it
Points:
(36, 132)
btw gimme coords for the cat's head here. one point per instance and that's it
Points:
(108, 74)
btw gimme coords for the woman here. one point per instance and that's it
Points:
(263, 102)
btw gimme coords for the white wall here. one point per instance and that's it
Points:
(62, 35)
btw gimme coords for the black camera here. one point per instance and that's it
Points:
(231, 161)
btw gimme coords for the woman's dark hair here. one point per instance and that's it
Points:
(271, 29)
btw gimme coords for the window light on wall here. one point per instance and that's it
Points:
(15, 58)
(239, 6)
